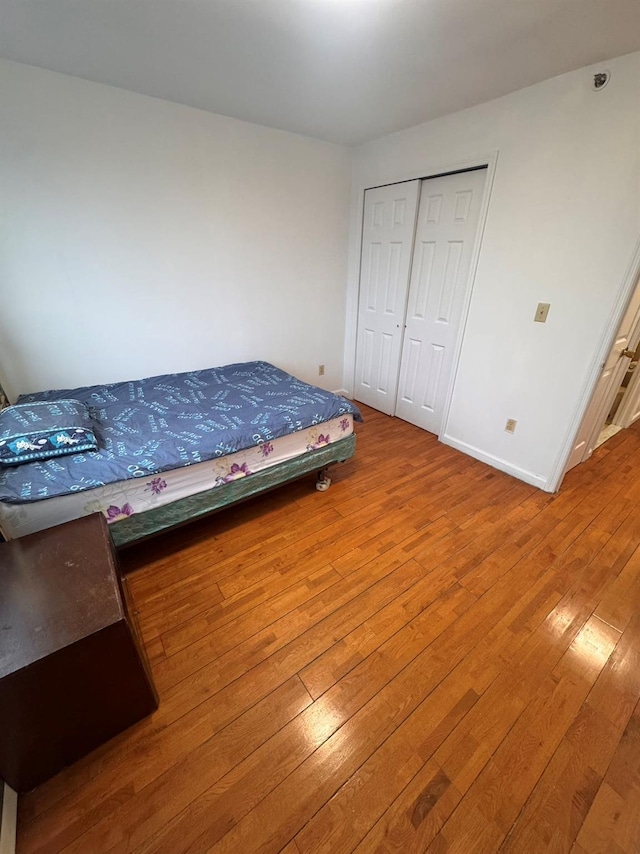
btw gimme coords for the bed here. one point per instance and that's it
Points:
(176, 447)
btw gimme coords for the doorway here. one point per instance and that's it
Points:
(615, 404)
(418, 244)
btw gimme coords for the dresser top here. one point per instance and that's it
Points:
(56, 587)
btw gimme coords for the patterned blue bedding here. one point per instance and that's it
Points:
(161, 423)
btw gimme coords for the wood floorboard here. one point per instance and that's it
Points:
(431, 656)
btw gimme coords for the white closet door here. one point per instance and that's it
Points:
(445, 236)
(387, 241)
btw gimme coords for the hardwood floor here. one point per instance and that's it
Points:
(431, 656)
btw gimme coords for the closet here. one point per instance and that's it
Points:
(418, 241)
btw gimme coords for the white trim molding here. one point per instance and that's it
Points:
(496, 462)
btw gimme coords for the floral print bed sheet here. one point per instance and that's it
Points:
(142, 492)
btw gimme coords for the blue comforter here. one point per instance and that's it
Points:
(160, 423)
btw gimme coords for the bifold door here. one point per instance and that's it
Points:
(445, 237)
(387, 243)
(413, 284)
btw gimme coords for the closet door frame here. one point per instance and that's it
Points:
(432, 170)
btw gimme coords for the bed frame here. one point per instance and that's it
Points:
(140, 526)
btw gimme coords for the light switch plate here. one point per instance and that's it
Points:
(542, 311)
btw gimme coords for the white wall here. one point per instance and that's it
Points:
(562, 222)
(140, 237)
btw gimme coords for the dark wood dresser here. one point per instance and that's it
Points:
(73, 671)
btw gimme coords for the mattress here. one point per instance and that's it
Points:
(157, 424)
(144, 491)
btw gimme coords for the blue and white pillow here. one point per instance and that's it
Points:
(44, 429)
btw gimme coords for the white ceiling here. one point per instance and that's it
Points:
(342, 70)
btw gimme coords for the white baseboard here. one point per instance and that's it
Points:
(8, 819)
(497, 463)
(342, 392)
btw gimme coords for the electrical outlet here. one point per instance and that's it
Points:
(510, 426)
(320, 370)
(542, 311)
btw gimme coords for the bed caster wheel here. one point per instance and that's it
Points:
(323, 483)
